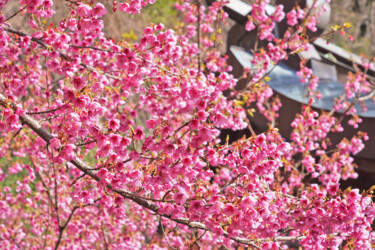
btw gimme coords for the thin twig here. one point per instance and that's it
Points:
(62, 228)
(366, 97)
(75, 181)
(44, 112)
(84, 143)
(127, 160)
(165, 235)
(104, 239)
(15, 14)
(90, 47)
(200, 237)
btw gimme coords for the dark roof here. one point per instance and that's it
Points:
(341, 54)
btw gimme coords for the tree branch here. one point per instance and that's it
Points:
(15, 14)
(81, 165)
(44, 112)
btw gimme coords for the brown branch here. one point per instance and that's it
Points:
(90, 47)
(17, 133)
(366, 97)
(127, 160)
(44, 112)
(62, 228)
(75, 181)
(165, 235)
(85, 143)
(197, 239)
(34, 39)
(88, 67)
(160, 67)
(81, 165)
(62, 55)
(250, 127)
(104, 239)
(56, 193)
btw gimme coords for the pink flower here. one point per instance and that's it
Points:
(170, 148)
(249, 26)
(284, 148)
(217, 231)
(205, 134)
(196, 206)
(7, 112)
(354, 196)
(266, 245)
(179, 198)
(83, 10)
(68, 152)
(115, 139)
(150, 124)
(166, 131)
(119, 200)
(114, 124)
(159, 27)
(202, 115)
(55, 143)
(194, 124)
(186, 161)
(308, 161)
(69, 94)
(99, 10)
(104, 151)
(82, 101)
(217, 206)
(230, 210)
(79, 82)
(12, 121)
(292, 18)
(125, 142)
(245, 153)
(138, 134)
(48, 3)
(119, 166)
(86, 197)
(332, 188)
(72, 23)
(248, 202)
(102, 173)
(134, 155)
(260, 140)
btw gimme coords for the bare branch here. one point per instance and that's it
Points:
(85, 143)
(62, 228)
(165, 235)
(105, 240)
(44, 112)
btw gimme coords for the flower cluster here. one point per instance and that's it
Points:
(112, 144)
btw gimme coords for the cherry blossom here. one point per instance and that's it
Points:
(113, 144)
